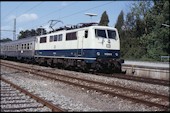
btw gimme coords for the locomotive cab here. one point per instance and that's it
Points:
(106, 49)
(100, 45)
(107, 40)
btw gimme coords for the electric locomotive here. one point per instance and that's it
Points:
(86, 47)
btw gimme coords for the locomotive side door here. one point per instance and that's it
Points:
(80, 36)
(36, 46)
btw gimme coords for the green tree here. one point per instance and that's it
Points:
(121, 30)
(144, 36)
(135, 27)
(120, 21)
(104, 19)
(32, 32)
(5, 40)
(22, 34)
(140, 10)
(41, 31)
(130, 25)
(157, 41)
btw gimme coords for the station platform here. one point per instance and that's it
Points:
(147, 64)
(156, 70)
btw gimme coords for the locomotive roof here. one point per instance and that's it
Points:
(73, 27)
(78, 26)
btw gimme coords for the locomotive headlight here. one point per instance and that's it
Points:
(116, 54)
(98, 53)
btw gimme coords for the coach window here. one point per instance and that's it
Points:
(22, 47)
(86, 34)
(43, 39)
(28, 46)
(25, 46)
(71, 36)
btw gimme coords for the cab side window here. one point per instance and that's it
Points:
(86, 34)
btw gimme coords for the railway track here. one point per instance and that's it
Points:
(147, 98)
(15, 98)
(138, 79)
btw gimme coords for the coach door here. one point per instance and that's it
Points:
(80, 36)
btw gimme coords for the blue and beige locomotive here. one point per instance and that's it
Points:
(87, 47)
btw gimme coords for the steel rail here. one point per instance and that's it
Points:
(138, 79)
(53, 107)
(90, 81)
(26, 69)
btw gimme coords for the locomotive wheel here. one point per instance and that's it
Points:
(117, 67)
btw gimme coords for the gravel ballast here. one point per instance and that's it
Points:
(73, 98)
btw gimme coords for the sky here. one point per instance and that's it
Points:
(32, 15)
